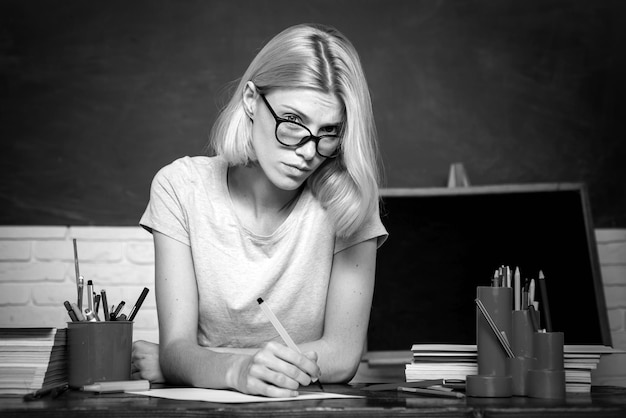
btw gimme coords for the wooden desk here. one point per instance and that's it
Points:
(602, 402)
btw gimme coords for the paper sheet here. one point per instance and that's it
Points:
(229, 396)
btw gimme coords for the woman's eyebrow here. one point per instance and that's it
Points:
(305, 118)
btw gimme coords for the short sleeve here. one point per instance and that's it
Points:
(371, 228)
(166, 209)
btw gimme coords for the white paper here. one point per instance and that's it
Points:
(229, 396)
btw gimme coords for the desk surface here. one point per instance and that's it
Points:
(602, 402)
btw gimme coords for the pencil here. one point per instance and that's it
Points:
(433, 392)
(544, 300)
(516, 289)
(501, 337)
(281, 330)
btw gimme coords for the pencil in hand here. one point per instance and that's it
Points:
(282, 331)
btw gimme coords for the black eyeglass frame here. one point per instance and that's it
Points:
(304, 140)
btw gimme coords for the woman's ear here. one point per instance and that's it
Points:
(249, 99)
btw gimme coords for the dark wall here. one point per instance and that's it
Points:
(96, 96)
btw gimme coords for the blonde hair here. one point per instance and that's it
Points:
(321, 58)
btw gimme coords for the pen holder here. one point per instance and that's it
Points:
(547, 379)
(494, 378)
(98, 351)
(522, 347)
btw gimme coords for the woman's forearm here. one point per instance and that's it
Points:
(339, 362)
(183, 362)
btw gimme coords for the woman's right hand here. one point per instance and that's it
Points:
(276, 371)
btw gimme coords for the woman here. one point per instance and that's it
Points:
(286, 211)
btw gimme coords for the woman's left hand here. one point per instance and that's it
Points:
(145, 362)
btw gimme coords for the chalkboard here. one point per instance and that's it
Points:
(443, 243)
(96, 96)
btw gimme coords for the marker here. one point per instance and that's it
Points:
(138, 304)
(543, 290)
(105, 305)
(90, 295)
(77, 312)
(281, 330)
(70, 311)
(117, 386)
(90, 315)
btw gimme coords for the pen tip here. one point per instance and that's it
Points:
(260, 300)
(541, 274)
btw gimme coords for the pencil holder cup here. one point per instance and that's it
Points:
(494, 378)
(98, 351)
(522, 347)
(547, 379)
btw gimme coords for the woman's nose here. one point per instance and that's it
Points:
(307, 150)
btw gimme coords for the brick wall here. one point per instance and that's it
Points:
(37, 275)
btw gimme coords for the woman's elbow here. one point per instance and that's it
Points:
(346, 370)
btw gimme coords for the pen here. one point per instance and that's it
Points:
(117, 386)
(105, 306)
(434, 392)
(281, 330)
(544, 300)
(138, 304)
(531, 292)
(533, 318)
(117, 310)
(96, 304)
(81, 283)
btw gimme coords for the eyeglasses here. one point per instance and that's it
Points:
(293, 134)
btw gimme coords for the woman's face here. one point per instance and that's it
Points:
(288, 167)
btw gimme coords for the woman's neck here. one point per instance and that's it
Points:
(259, 204)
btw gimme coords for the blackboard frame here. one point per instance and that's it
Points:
(398, 308)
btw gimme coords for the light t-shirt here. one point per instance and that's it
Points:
(290, 269)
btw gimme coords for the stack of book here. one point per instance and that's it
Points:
(456, 361)
(31, 359)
